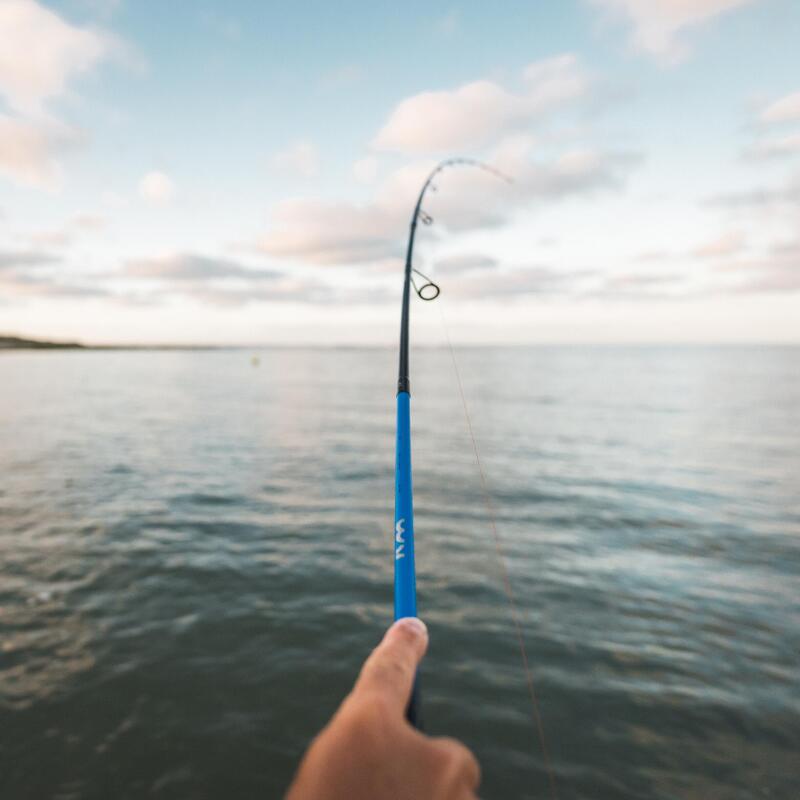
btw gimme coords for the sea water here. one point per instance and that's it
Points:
(196, 555)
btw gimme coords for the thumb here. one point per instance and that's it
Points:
(390, 669)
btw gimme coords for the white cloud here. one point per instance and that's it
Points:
(40, 56)
(194, 267)
(16, 285)
(365, 170)
(31, 274)
(775, 147)
(26, 259)
(63, 236)
(464, 262)
(58, 237)
(658, 25)
(29, 151)
(300, 158)
(325, 232)
(477, 113)
(728, 244)
(786, 109)
(629, 282)
(775, 270)
(764, 198)
(521, 281)
(220, 281)
(88, 222)
(156, 187)
(41, 53)
(322, 232)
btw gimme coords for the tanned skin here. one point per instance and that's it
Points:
(368, 751)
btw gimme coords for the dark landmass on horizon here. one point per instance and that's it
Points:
(20, 343)
(8, 342)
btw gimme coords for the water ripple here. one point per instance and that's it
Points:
(195, 557)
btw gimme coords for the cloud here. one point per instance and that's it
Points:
(642, 281)
(787, 194)
(29, 151)
(468, 262)
(42, 53)
(156, 187)
(24, 259)
(653, 255)
(781, 280)
(777, 271)
(775, 147)
(204, 279)
(768, 144)
(477, 113)
(639, 287)
(88, 222)
(25, 273)
(365, 170)
(786, 109)
(58, 237)
(300, 158)
(62, 236)
(774, 268)
(193, 267)
(659, 25)
(523, 281)
(324, 232)
(17, 285)
(225, 282)
(282, 292)
(789, 249)
(469, 198)
(728, 244)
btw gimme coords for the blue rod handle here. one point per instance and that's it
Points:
(405, 579)
(405, 582)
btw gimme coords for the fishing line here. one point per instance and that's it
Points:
(501, 558)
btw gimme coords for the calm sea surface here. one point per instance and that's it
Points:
(195, 556)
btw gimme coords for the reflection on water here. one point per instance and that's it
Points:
(195, 556)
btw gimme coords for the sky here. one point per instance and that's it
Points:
(244, 172)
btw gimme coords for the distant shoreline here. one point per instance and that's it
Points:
(17, 343)
(20, 343)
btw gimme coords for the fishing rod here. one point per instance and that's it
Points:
(405, 579)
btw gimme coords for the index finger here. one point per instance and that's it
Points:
(390, 669)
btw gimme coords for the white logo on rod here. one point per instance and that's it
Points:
(400, 542)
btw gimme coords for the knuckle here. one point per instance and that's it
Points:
(375, 707)
(387, 671)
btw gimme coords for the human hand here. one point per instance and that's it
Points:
(368, 751)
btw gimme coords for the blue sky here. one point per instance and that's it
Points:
(244, 171)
